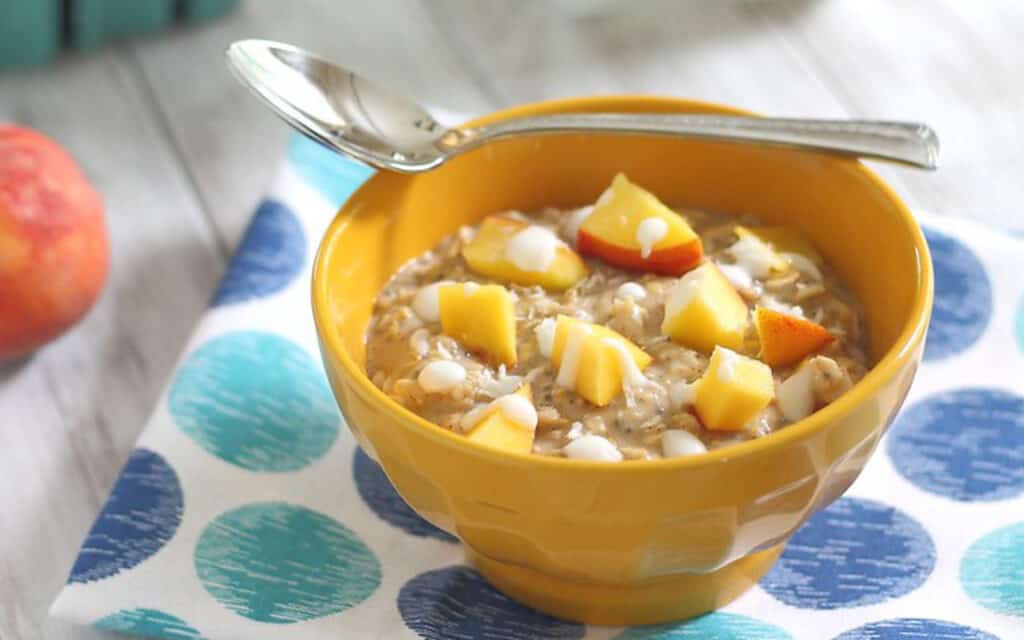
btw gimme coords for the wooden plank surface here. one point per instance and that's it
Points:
(70, 414)
(955, 65)
(229, 142)
(182, 155)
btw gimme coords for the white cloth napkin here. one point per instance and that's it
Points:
(246, 510)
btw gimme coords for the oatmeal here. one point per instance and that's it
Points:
(621, 331)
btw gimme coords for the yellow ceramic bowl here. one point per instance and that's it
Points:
(637, 542)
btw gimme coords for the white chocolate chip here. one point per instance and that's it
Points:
(426, 305)
(630, 290)
(677, 442)
(593, 447)
(441, 375)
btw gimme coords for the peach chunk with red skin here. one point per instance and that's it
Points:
(489, 254)
(630, 228)
(787, 339)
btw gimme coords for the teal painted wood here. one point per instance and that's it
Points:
(196, 10)
(29, 31)
(93, 22)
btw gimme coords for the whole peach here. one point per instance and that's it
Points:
(53, 241)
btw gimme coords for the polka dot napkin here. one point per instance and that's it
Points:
(246, 511)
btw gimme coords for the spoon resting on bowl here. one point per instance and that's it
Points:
(351, 115)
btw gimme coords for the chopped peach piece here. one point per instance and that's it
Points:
(521, 253)
(481, 317)
(703, 310)
(785, 338)
(508, 424)
(783, 240)
(795, 395)
(732, 391)
(632, 229)
(594, 360)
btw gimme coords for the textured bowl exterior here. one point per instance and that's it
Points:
(640, 541)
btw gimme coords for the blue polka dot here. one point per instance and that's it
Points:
(271, 255)
(854, 553)
(381, 497)
(282, 563)
(714, 626)
(966, 444)
(455, 603)
(256, 400)
(333, 175)
(992, 570)
(141, 514)
(963, 297)
(148, 622)
(914, 629)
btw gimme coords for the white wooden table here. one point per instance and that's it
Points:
(181, 155)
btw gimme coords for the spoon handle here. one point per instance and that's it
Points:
(907, 143)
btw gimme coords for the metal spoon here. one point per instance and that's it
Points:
(351, 115)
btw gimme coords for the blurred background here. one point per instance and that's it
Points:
(180, 155)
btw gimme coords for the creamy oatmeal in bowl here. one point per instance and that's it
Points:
(454, 389)
(623, 330)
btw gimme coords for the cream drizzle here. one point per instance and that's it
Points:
(649, 232)
(514, 407)
(571, 353)
(532, 249)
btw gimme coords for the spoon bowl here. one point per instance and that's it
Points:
(351, 115)
(337, 108)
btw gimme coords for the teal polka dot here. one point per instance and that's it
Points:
(256, 400)
(148, 622)
(281, 563)
(335, 176)
(992, 570)
(714, 626)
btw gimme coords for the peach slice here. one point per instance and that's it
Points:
(732, 390)
(509, 423)
(703, 310)
(521, 253)
(783, 240)
(784, 248)
(632, 229)
(594, 360)
(786, 339)
(481, 317)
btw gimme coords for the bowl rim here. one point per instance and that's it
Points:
(891, 363)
